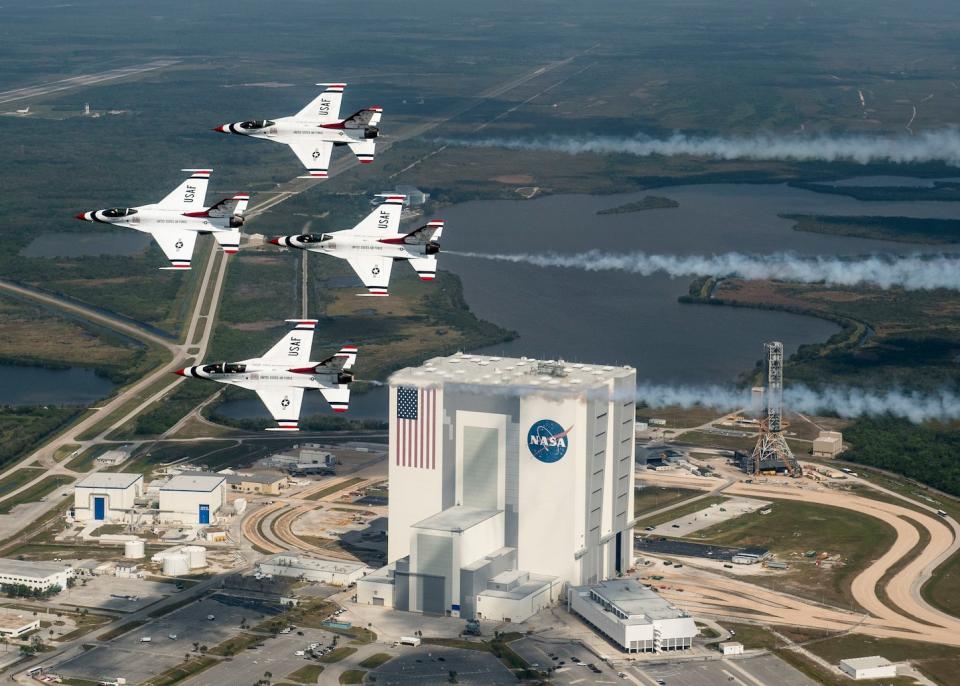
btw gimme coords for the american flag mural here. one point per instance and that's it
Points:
(416, 427)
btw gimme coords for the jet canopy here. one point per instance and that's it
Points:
(117, 212)
(225, 368)
(315, 237)
(256, 124)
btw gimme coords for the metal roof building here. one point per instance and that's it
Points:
(192, 499)
(105, 496)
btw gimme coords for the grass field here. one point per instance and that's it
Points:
(308, 674)
(654, 497)
(337, 654)
(682, 510)
(375, 660)
(236, 644)
(352, 676)
(330, 490)
(39, 490)
(791, 529)
(18, 478)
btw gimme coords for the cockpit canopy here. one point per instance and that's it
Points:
(117, 212)
(315, 237)
(225, 368)
(256, 124)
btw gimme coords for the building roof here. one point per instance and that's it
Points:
(255, 478)
(31, 570)
(637, 602)
(110, 480)
(313, 564)
(456, 519)
(525, 375)
(190, 482)
(534, 584)
(871, 662)
(13, 621)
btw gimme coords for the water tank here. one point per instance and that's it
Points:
(176, 565)
(240, 505)
(134, 550)
(196, 556)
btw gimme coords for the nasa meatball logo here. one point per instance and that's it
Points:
(547, 440)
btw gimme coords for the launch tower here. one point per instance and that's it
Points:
(772, 451)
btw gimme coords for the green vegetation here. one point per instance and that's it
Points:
(376, 660)
(85, 460)
(793, 528)
(902, 229)
(330, 490)
(236, 644)
(939, 191)
(65, 451)
(170, 410)
(352, 676)
(337, 654)
(39, 490)
(20, 477)
(650, 202)
(927, 452)
(24, 428)
(121, 630)
(182, 672)
(654, 497)
(682, 510)
(308, 674)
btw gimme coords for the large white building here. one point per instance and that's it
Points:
(106, 497)
(337, 573)
(190, 499)
(874, 667)
(633, 616)
(509, 478)
(39, 576)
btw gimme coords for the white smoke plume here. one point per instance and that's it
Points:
(911, 272)
(929, 146)
(943, 405)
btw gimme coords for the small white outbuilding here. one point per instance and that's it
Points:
(874, 667)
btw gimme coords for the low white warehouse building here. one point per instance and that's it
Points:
(106, 497)
(39, 576)
(874, 667)
(340, 573)
(189, 499)
(14, 624)
(633, 616)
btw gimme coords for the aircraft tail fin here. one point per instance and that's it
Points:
(368, 117)
(228, 240)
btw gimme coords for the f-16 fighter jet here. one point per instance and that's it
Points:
(282, 375)
(373, 245)
(313, 131)
(175, 221)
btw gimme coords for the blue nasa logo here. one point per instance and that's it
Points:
(547, 440)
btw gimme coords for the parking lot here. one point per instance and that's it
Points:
(433, 664)
(568, 658)
(99, 593)
(765, 669)
(136, 661)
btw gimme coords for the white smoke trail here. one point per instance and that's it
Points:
(911, 272)
(929, 146)
(943, 405)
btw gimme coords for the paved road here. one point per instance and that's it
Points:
(82, 81)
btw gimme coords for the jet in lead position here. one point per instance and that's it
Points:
(373, 245)
(175, 221)
(313, 132)
(282, 375)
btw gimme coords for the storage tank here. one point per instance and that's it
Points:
(196, 556)
(176, 565)
(134, 550)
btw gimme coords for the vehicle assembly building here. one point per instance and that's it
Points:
(509, 479)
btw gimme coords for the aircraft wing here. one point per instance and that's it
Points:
(177, 245)
(283, 404)
(190, 194)
(373, 271)
(325, 108)
(314, 155)
(294, 348)
(338, 397)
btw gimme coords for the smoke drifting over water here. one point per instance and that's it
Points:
(911, 272)
(845, 402)
(929, 146)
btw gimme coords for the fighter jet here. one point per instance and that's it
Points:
(282, 375)
(373, 245)
(175, 221)
(313, 131)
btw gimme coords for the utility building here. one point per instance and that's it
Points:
(106, 497)
(190, 499)
(509, 478)
(828, 444)
(37, 576)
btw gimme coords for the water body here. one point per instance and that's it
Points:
(86, 244)
(618, 318)
(40, 386)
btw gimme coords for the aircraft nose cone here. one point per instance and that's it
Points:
(275, 241)
(221, 129)
(181, 372)
(82, 216)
